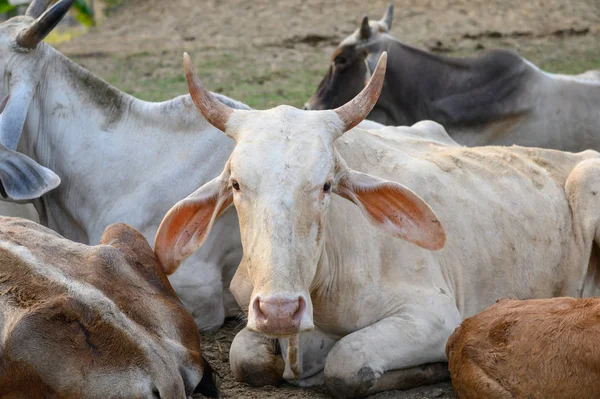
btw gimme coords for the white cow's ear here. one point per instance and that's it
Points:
(393, 208)
(22, 179)
(187, 224)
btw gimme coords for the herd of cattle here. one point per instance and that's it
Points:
(390, 283)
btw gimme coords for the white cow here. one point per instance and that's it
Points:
(25, 211)
(359, 309)
(120, 159)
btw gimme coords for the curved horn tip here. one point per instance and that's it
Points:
(214, 111)
(365, 28)
(357, 109)
(188, 65)
(388, 16)
(382, 61)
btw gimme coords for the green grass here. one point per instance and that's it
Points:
(259, 83)
(289, 76)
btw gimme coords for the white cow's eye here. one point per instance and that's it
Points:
(235, 185)
(327, 187)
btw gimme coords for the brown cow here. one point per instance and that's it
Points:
(95, 322)
(539, 348)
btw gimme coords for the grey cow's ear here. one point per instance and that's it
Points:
(22, 179)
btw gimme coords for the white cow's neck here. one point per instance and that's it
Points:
(109, 147)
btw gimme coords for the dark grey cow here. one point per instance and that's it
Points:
(495, 98)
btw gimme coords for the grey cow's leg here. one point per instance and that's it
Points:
(258, 360)
(399, 352)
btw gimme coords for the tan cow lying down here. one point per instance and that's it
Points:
(94, 322)
(544, 348)
(321, 208)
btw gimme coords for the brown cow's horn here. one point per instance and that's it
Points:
(215, 112)
(357, 109)
(39, 29)
(365, 29)
(387, 17)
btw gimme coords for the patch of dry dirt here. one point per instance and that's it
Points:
(156, 25)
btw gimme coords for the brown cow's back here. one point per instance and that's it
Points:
(90, 321)
(545, 348)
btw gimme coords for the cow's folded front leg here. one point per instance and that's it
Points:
(259, 361)
(312, 349)
(398, 352)
(256, 359)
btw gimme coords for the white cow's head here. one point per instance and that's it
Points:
(281, 177)
(21, 66)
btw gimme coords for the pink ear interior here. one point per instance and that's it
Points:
(185, 228)
(398, 211)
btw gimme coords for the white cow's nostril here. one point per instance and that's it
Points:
(279, 315)
(299, 310)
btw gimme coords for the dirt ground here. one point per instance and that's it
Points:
(266, 52)
(215, 348)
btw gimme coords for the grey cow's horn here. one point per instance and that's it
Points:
(365, 29)
(357, 109)
(39, 29)
(387, 17)
(214, 111)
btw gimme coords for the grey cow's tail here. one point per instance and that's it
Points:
(208, 386)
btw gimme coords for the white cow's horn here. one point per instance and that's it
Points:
(37, 7)
(39, 29)
(356, 110)
(215, 112)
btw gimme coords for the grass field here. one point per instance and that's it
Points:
(266, 82)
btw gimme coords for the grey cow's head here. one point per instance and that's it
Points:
(21, 65)
(352, 63)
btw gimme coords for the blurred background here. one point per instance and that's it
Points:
(266, 52)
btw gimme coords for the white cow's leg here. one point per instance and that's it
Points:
(232, 309)
(398, 352)
(256, 359)
(313, 349)
(259, 361)
(200, 288)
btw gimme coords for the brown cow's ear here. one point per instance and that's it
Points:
(393, 208)
(187, 224)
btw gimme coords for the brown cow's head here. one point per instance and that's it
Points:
(93, 322)
(352, 64)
